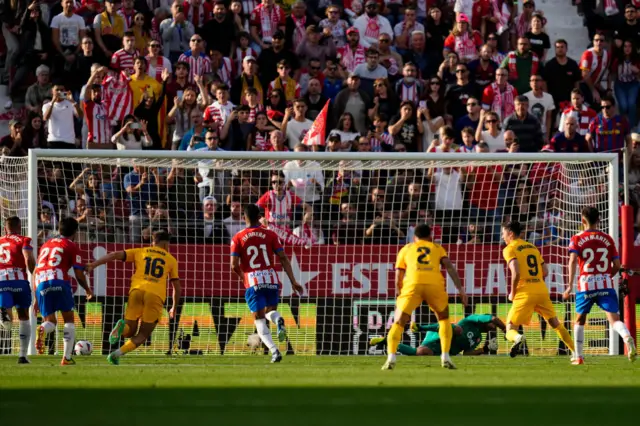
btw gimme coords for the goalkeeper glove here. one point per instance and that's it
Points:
(490, 345)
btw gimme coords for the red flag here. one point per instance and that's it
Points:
(316, 134)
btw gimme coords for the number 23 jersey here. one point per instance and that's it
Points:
(530, 262)
(153, 266)
(595, 250)
(421, 263)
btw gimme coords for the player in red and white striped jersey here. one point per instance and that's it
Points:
(123, 59)
(252, 251)
(16, 260)
(595, 256)
(582, 113)
(278, 203)
(199, 63)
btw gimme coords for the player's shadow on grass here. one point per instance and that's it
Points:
(324, 406)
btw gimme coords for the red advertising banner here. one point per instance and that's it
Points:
(365, 271)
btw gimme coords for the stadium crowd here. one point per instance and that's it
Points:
(244, 75)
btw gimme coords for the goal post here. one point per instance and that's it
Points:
(349, 288)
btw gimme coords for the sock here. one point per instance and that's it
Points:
(48, 327)
(513, 336)
(69, 339)
(265, 334)
(125, 349)
(578, 334)
(446, 334)
(622, 330)
(565, 337)
(393, 340)
(273, 316)
(406, 349)
(25, 336)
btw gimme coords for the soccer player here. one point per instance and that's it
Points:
(16, 255)
(252, 251)
(595, 255)
(53, 285)
(528, 292)
(147, 294)
(418, 279)
(467, 335)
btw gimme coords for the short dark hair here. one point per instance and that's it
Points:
(562, 41)
(591, 214)
(14, 224)
(183, 64)
(244, 108)
(447, 132)
(609, 99)
(372, 51)
(141, 59)
(577, 92)
(129, 34)
(513, 226)
(68, 227)
(522, 99)
(469, 130)
(222, 87)
(252, 212)
(283, 63)
(161, 235)
(422, 231)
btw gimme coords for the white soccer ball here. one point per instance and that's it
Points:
(83, 347)
(253, 341)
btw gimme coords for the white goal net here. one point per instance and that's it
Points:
(342, 219)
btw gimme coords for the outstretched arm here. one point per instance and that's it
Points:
(116, 255)
(498, 323)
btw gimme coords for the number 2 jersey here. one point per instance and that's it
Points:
(595, 250)
(530, 262)
(153, 266)
(12, 263)
(255, 247)
(57, 256)
(421, 263)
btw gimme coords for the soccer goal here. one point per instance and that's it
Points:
(342, 218)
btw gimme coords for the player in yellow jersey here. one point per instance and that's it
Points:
(418, 279)
(529, 293)
(153, 266)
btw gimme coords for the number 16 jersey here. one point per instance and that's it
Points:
(530, 262)
(596, 251)
(255, 247)
(153, 266)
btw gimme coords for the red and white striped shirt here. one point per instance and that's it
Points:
(128, 18)
(597, 66)
(198, 17)
(123, 60)
(255, 246)
(278, 209)
(351, 59)
(376, 143)
(254, 111)
(12, 264)
(156, 72)
(57, 256)
(262, 142)
(239, 56)
(218, 112)
(596, 251)
(117, 96)
(97, 118)
(225, 71)
(408, 92)
(267, 21)
(198, 65)
(584, 117)
(249, 6)
(623, 70)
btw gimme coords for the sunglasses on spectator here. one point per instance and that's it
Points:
(372, 6)
(384, 40)
(155, 46)
(333, 12)
(196, 40)
(212, 138)
(379, 85)
(607, 106)
(491, 121)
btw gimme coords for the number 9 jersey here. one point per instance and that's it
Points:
(596, 251)
(530, 262)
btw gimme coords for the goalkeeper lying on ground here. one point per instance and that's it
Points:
(467, 335)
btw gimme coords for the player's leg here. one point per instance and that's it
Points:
(6, 303)
(609, 304)
(519, 314)
(272, 313)
(438, 301)
(407, 302)
(545, 308)
(47, 302)
(145, 330)
(22, 301)
(583, 308)
(257, 303)
(69, 337)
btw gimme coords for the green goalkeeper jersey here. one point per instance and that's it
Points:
(469, 339)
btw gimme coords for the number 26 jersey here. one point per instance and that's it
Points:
(596, 251)
(530, 262)
(421, 263)
(153, 266)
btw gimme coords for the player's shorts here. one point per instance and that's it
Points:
(525, 304)
(15, 293)
(145, 305)
(54, 296)
(432, 341)
(607, 299)
(411, 297)
(259, 298)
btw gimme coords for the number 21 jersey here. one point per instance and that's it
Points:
(595, 250)
(255, 247)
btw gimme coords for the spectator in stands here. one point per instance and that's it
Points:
(285, 83)
(270, 57)
(212, 231)
(234, 222)
(220, 110)
(562, 74)
(11, 14)
(308, 230)
(526, 127)
(415, 203)
(151, 103)
(109, 28)
(332, 82)
(157, 218)
(483, 184)
(336, 25)
(305, 178)
(237, 130)
(39, 91)
(141, 32)
(352, 54)
(59, 113)
(625, 69)
(314, 99)
(220, 32)
(409, 87)
(175, 32)
(259, 140)
(312, 72)
(345, 129)
(209, 180)
(469, 143)
(407, 128)
(521, 64)
(629, 29)
(34, 134)
(569, 140)
(296, 24)
(348, 230)
(500, 96)
(538, 38)
(371, 24)
(582, 113)
(389, 59)
(96, 114)
(193, 139)
(158, 63)
(463, 40)
(265, 20)
(385, 100)
(277, 141)
(141, 185)
(295, 124)
(404, 29)
(493, 136)
(483, 69)
(496, 55)
(447, 70)
(13, 139)
(68, 29)
(199, 63)
(132, 135)
(448, 202)
(279, 203)
(541, 104)
(471, 119)
(383, 231)
(248, 78)
(595, 63)
(608, 131)
(183, 107)
(317, 43)
(458, 94)
(420, 55)
(87, 58)
(122, 60)
(355, 101)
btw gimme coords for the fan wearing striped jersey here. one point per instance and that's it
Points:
(252, 251)
(595, 256)
(16, 256)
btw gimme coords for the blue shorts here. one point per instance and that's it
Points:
(259, 298)
(607, 300)
(15, 293)
(54, 296)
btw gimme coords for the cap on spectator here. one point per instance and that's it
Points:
(462, 18)
(279, 34)
(635, 137)
(547, 148)
(14, 122)
(42, 69)
(353, 30)
(249, 58)
(209, 198)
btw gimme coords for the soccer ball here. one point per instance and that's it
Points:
(254, 342)
(83, 347)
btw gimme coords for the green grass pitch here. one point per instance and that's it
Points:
(309, 391)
